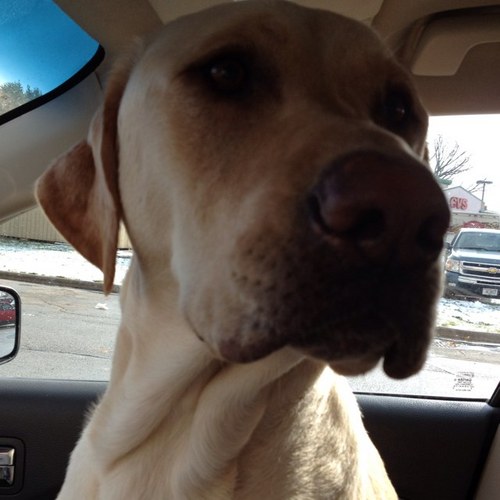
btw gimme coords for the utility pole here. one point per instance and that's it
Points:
(483, 182)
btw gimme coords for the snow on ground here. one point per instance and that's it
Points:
(61, 260)
(54, 260)
(471, 315)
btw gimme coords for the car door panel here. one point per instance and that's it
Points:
(432, 448)
(46, 417)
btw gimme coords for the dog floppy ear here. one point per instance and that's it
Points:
(79, 191)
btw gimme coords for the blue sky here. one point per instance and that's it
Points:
(40, 45)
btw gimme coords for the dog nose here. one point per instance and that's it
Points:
(380, 207)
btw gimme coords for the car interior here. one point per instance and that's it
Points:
(434, 447)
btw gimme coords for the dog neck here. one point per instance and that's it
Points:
(159, 364)
(179, 423)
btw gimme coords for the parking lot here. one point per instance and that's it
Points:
(66, 333)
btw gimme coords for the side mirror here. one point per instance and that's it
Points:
(10, 323)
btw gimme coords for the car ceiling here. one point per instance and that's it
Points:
(451, 46)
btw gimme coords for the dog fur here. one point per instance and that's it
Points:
(215, 143)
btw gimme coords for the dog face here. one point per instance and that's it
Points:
(267, 158)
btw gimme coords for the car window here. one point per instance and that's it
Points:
(42, 49)
(464, 359)
(477, 240)
(69, 326)
(44, 54)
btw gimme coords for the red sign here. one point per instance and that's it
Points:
(458, 203)
(474, 223)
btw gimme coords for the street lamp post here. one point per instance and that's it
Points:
(483, 182)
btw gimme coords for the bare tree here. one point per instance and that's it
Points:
(447, 159)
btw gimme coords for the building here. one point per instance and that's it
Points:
(467, 210)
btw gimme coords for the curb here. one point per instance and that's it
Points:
(474, 337)
(96, 286)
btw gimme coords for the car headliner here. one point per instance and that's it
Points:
(452, 46)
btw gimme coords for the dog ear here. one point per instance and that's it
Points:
(79, 191)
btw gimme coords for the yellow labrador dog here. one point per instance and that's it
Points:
(266, 161)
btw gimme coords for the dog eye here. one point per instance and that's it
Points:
(397, 109)
(228, 75)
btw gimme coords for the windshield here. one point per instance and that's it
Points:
(41, 48)
(489, 242)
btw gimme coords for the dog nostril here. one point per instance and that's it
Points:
(368, 225)
(362, 226)
(314, 206)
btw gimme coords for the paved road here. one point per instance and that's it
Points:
(441, 377)
(69, 333)
(64, 334)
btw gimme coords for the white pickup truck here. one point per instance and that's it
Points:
(472, 265)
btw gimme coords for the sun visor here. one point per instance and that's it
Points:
(446, 41)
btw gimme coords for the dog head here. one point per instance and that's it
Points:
(267, 159)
